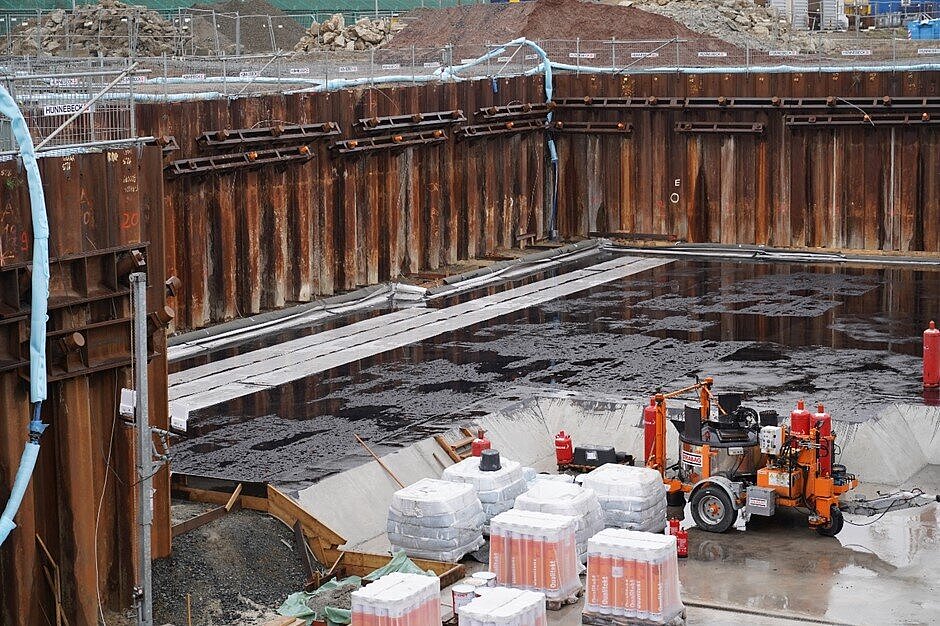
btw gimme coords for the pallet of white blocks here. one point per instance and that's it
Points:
(436, 520)
(536, 551)
(497, 490)
(503, 606)
(632, 497)
(563, 498)
(632, 578)
(398, 600)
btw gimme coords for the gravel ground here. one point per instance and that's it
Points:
(236, 569)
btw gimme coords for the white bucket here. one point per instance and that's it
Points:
(462, 595)
(487, 579)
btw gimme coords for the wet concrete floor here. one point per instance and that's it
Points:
(849, 337)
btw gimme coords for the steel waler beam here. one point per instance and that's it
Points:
(752, 128)
(516, 111)
(389, 142)
(592, 128)
(278, 134)
(504, 128)
(412, 121)
(860, 119)
(228, 162)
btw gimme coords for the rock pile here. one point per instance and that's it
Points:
(333, 34)
(103, 29)
(740, 22)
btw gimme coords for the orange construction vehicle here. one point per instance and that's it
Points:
(732, 459)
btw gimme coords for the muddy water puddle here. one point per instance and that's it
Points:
(847, 337)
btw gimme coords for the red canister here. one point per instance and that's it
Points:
(564, 450)
(649, 430)
(481, 443)
(800, 419)
(932, 356)
(673, 527)
(823, 423)
(682, 543)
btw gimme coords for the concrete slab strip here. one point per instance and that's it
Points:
(242, 375)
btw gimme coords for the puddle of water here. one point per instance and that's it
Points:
(846, 337)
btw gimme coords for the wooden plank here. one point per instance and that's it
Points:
(234, 499)
(322, 537)
(199, 521)
(220, 498)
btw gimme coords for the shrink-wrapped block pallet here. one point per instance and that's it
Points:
(632, 577)
(561, 498)
(535, 551)
(632, 497)
(496, 490)
(436, 519)
(398, 600)
(502, 606)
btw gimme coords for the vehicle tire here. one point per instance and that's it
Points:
(836, 522)
(712, 510)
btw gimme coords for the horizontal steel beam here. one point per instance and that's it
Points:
(278, 134)
(503, 128)
(592, 128)
(723, 102)
(429, 119)
(516, 111)
(242, 160)
(753, 128)
(389, 142)
(861, 119)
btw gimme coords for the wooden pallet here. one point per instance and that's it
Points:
(595, 619)
(557, 605)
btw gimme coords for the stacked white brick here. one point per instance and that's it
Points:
(561, 498)
(436, 519)
(497, 490)
(632, 497)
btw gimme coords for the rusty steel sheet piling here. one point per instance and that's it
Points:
(106, 220)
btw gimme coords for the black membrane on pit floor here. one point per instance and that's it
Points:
(779, 332)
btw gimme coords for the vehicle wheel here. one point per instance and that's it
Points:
(836, 522)
(676, 498)
(712, 510)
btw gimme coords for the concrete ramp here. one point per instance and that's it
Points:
(354, 503)
(894, 446)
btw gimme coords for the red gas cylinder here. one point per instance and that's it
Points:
(800, 420)
(682, 543)
(564, 451)
(649, 429)
(932, 356)
(823, 423)
(479, 444)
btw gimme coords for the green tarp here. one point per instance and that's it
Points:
(296, 603)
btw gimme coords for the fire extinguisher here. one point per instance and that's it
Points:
(564, 451)
(682, 543)
(932, 356)
(649, 430)
(481, 443)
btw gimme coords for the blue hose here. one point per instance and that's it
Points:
(38, 312)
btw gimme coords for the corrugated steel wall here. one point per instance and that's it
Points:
(787, 186)
(259, 239)
(102, 207)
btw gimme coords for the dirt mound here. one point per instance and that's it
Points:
(542, 19)
(259, 23)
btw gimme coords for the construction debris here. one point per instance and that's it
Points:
(109, 28)
(741, 22)
(333, 34)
